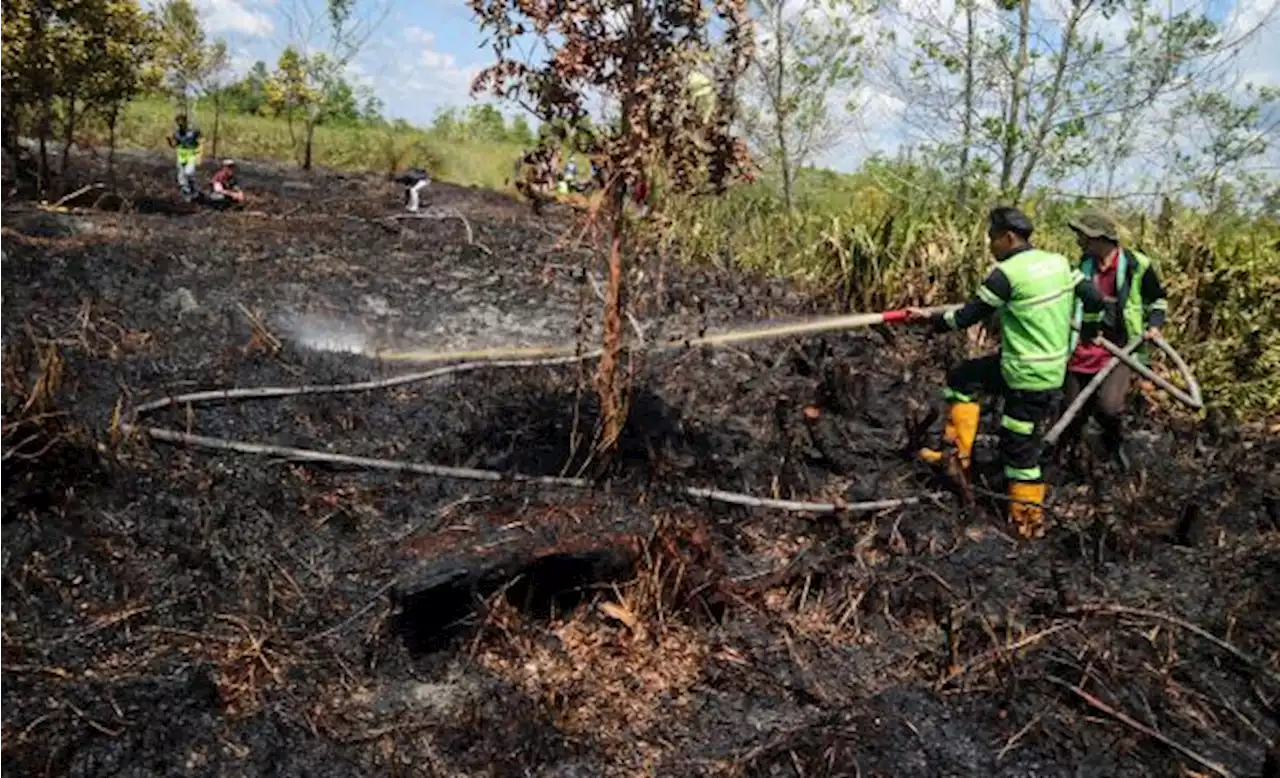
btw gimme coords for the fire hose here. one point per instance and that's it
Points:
(502, 357)
(726, 338)
(1124, 355)
(1119, 355)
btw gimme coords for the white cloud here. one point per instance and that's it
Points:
(438, 60)
(419, 36)
(233, 16)
(1259, 61)
(428, 78)
(359, 75)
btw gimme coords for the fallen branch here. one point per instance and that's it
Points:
(75, 194)
(1124, 718)
(1248, 659)
(269, 392)
(447, 213)
(998, 653)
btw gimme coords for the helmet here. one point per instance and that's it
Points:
(228, 163)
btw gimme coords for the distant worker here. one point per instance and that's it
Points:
(1135, 305)
(186, 140)
(1034, 291)
(568, 178)
(415, 182)
(225, 188)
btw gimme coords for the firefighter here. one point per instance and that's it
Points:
(186, 141)
(1034, 292)
(1135, 304)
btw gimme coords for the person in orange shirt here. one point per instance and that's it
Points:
(1134, 305)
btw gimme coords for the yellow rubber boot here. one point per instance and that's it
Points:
(960, 430)
(1027, 511)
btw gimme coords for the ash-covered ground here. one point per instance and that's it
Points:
(171, 610)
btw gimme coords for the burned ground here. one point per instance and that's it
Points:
(177, 611)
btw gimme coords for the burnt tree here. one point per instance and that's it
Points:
(643, 57)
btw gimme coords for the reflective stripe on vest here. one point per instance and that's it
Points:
(1036, 321)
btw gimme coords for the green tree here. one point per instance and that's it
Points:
(1222, 135)
(81, 56)
(1014, 94)
(213, 82)
(805, 57)
(521, 132)
(343, 28)
(249, 94)
(123, 40)
(289, 90)
(638, 56)
(183, 56)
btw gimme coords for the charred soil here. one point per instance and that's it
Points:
(174, 610)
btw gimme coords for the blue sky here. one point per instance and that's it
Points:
(425, 53)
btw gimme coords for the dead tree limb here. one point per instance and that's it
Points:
(447, 213)
(1114, 609)
(1128, 720)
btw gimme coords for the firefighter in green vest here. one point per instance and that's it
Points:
(186, 140)
(1034, 292)
(1135, 305)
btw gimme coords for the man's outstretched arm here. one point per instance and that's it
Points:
(994, 292)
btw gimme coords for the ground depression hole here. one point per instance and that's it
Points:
(445, 603)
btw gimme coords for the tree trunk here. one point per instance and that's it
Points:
(46, 95)
(780, 113)
(609, 386)
(613, 409)
(1050, 108)
(217, 118)
(68, 134)
(1016, 95)
(293, 138)
(306, 152)
(113, 116)
(966, 142)
(46, 128)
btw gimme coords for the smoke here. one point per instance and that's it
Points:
(318, 333)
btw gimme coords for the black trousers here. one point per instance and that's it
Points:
(1022, 424)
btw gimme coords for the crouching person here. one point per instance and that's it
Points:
(225, 189)
(415, 182)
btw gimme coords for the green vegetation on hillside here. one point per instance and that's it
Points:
(451, 151)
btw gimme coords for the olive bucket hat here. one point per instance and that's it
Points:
(1093, 223)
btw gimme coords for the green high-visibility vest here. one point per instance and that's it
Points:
(703, 94)
(1035, 322)
(1134, 311)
